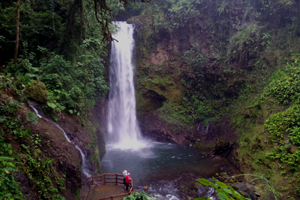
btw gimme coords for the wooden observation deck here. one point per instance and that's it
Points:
(107, 187)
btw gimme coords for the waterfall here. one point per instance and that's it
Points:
(123, 129)
(84, 170)
(207, 128)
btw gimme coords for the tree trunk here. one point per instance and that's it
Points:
(17, 32)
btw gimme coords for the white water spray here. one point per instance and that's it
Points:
(67, 138)
(123, 129)
(36, 112)
(207, 128)
(84, 170)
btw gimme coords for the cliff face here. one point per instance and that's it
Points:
(190, 76)
(161, 89)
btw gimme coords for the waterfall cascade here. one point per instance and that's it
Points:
(84, 170)
(123, 129)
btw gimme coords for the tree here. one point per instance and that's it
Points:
(103, 12)
(17, 32)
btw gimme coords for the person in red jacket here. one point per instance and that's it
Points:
(127, 180)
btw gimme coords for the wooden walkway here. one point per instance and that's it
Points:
(106, 192)
(107, 187)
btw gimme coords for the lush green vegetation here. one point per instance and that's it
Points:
(28, 160)
(226, 192)
(222, 190)
(139, 196)
(65, 52)
(59, 63)
(227, 43)
(269, 125)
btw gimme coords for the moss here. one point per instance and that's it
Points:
(91, 144)
(98, 151)
(37, 91)
(202, 146)
(95, 159)
(90, 128)
(262, 147)
(77, 197)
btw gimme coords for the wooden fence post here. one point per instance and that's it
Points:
(116, 179)
(104, 179)
(92, 180)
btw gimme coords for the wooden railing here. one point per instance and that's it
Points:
(108, 179)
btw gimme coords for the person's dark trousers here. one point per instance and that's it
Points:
(127, 185)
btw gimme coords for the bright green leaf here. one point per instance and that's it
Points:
(214, 179)
(222, 185)
(207, 183)
(28, 129)
(6, 158)
(222, 196)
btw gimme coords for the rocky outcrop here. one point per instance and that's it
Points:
(155, 128)
(205, 137)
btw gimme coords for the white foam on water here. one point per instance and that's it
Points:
(128, 144)
(171, 197)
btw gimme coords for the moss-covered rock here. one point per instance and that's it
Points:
(37, 91)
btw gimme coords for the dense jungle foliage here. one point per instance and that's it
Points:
(62, 48)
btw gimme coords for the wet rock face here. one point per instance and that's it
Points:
(67, 160)
(157, 129)
(81, 134)
(154, 100)
(201, 136)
